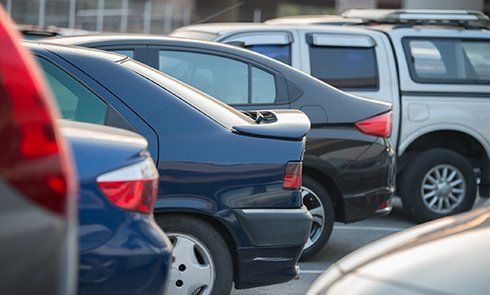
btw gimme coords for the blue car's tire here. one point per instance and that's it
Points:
(197, 247)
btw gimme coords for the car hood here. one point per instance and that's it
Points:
(448, 256)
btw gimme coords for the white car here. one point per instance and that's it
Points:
(447, 256)
(433, 66)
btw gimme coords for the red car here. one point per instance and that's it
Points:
(38, 242)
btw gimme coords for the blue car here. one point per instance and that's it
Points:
(229, 191)
(121, 248)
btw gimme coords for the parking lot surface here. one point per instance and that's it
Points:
(344, 240)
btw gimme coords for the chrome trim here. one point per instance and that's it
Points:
(273, 259)
(275, 211)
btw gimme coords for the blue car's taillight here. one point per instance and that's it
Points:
(133, 187)
(293, 176)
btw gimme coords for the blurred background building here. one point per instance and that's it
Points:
(162, 16)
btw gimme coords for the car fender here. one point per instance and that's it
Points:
(443, 127)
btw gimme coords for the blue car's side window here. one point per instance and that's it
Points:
(75, 101)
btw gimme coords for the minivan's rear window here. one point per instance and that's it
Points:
(448, 60)
(345, 67)
(213, 108)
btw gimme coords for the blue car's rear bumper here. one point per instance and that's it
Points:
(135, 260)
(277, 238)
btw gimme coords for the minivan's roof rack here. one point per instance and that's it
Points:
(420, 16)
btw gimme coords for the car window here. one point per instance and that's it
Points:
(263, 86)
(448, 60)
(223, 78)
(213, 108)
(345, 67)
(281, 53)
(127, 52)
(74, 100)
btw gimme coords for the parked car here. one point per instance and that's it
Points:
(433, 66)
(348, 170)
(37, 182)
(121, 248)
(410, 262)
(229, 196)
(33, 32)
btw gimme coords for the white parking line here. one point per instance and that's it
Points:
(375, 228)
(311, 271)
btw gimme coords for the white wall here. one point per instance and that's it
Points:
(343, 5)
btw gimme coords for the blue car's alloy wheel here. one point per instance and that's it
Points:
(202, 262)
(192, 269)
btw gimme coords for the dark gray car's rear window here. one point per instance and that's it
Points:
(213, 108)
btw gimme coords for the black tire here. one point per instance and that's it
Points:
(329, 214)
(413, 176)
(214, 242)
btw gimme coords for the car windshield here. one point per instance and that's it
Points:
(213, 108)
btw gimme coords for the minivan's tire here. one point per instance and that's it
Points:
(319, 203)
(198, 247)
(437, 183)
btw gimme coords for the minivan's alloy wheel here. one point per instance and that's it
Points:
(192, 269)
(319, 203)
(437, 183)
(202, 263)
(443, 188)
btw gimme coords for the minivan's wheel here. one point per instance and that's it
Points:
(319, 204)
(202, 262)
(438, 183)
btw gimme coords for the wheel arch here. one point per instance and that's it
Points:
(438, 128)
(222, 229)
(459, 139)
(330, 186)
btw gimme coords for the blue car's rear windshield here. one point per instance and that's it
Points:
(213, 108)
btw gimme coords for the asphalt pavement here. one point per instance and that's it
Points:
(344, 240)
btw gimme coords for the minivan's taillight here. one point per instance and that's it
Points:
(133, 187)
(33, 158)
(293, 176)
(377, 126)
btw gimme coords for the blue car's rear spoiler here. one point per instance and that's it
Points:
(285, 124)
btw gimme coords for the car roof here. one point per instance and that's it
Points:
(113, 57)
(225, 28)
(132, 39)
(313, 19)
(89, 38)
(119, 39)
